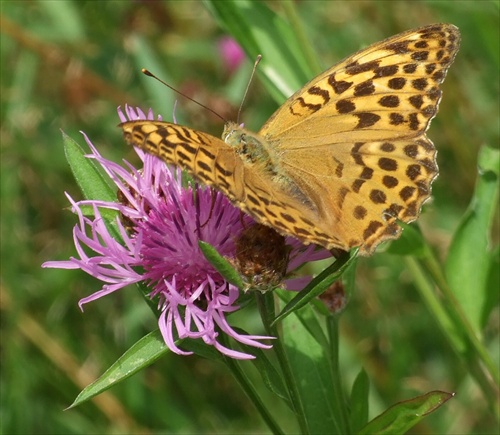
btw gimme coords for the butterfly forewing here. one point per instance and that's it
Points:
(389, 89)
(344, 158)
(206, 157)
(215, 163)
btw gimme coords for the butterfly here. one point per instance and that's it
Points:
(343, 159)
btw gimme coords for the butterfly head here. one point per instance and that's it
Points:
(232, 133)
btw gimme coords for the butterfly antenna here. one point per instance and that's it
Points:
(150, 74)
(259, 57)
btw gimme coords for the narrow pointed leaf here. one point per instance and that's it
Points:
(400, 418)
(411, 242)
(221, 264)
(142, 354)
(93, 183)
(311, 367)
(91, 180)
(359, 401)
(319, 284)
(470, 257)
(270, 375)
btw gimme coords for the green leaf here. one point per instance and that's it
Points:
(492, 283)
(359, 402)
(201, 349)
(92, 181)
(470, 258)
(270, 375)
(241, 376)
(411, 242)
(311, 368)
(142, 354)
(319, 284)
(259, 30)
(398, 419)
(221, 264)
(308, 318)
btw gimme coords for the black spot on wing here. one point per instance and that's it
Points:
(366, 119)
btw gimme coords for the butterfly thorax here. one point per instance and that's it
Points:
(260, 157)
(250, 147)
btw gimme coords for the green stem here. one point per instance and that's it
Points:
(451, 324)
(342, 414)
(248, 388)
(456, 312)
(267, 311)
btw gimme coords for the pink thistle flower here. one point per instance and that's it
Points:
(160, 225)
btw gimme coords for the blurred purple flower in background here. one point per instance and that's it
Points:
(231, 53)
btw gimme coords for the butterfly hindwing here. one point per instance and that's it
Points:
(370, 185)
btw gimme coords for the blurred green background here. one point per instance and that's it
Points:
(67, 65)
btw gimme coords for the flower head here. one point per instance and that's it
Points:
(155, 240)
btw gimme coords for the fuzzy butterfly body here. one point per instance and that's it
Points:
(343, 159)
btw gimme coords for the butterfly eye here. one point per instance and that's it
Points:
(227, 135)
(233, 136)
